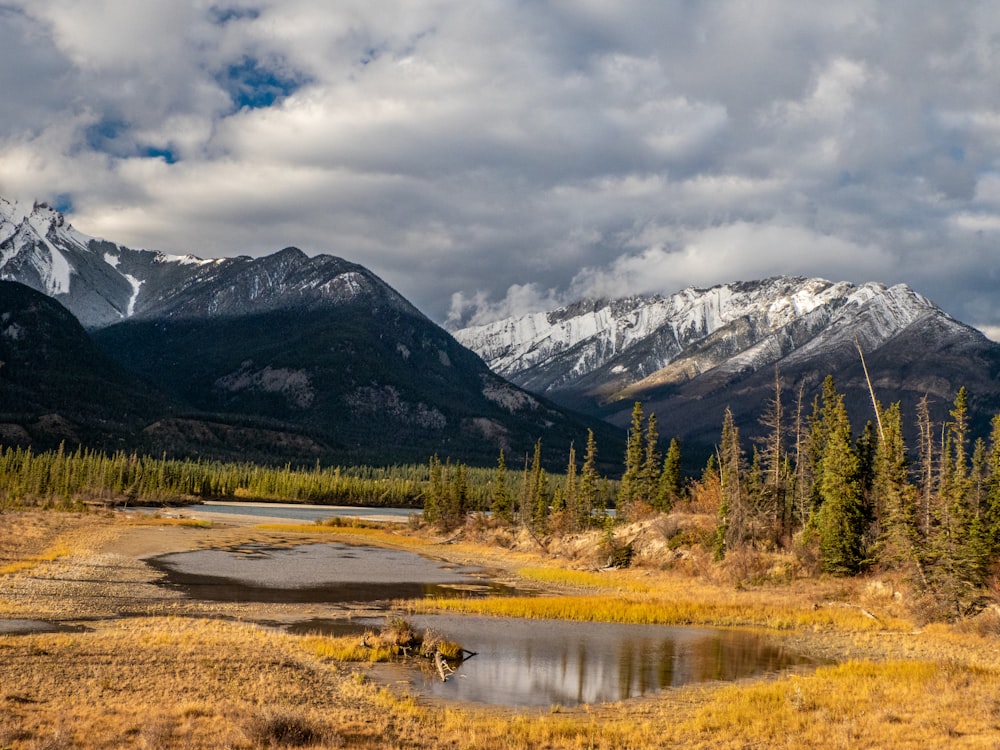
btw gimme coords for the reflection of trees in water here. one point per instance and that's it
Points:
(557, 663)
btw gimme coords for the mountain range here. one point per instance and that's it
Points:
(289, 357)
(689, 355)
(281, 358)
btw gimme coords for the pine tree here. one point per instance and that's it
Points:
(804, 467)
(927, 458)
(650, 474)
(774, 510)
(587, 494)
(894, 497)
(631, 483)
(669, 486)
(991, 511)
(840, 519)
(457, 498)
(571, 493)
(435, 491)
(958, 547)
(501, 506)
(733, 515)
(538, 495)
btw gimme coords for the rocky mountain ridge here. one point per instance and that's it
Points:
(695, 352)
(103, 283)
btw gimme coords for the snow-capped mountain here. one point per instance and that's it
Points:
(103, 283)
(283, 357)
(719, 347)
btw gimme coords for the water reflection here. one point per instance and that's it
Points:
(544, 663)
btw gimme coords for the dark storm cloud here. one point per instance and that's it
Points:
(497, 157)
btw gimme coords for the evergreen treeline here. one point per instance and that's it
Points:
(63, 478)
(863, 502)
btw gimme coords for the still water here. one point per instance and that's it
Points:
(547, 663)
(296, 512)
(517, 662)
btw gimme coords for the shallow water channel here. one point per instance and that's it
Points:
(517, 662)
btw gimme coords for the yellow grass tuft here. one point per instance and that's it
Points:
(50, 555)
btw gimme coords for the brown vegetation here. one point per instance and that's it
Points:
(181, 674)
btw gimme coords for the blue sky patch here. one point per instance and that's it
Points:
(253, 85)
(104, 135)
(63, 203)
(160, 153)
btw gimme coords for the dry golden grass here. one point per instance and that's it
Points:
(180, 682)
(664, 612)
(21, 566)
(373, 535)
(154, 520)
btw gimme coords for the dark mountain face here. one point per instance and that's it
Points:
(56, 385)
(366, 385)
(281, 358)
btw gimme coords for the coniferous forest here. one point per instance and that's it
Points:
(841, 503)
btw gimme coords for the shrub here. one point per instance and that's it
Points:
(282, 729)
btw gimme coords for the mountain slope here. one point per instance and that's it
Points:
(283, 357)
(56, 385)
(691, 354)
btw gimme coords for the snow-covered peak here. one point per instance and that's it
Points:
(745, 323)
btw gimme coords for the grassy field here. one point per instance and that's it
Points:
(181, 674)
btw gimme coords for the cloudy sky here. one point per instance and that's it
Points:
(501, 156)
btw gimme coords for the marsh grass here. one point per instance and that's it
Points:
(655, 611)
(584, 578)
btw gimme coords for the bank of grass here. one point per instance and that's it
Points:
(154, 520)
(174, 682)
(654, 611)
(385, 534)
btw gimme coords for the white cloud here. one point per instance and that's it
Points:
(496, 156)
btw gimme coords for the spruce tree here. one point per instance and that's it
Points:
(669, 486)
(588, 489)
(435, 491)
(894, 496)
(650, 474)
(733, 513)
(840, 519)
(501, 506)
(571, 492)
(631, 483)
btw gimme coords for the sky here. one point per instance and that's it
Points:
(505, 156)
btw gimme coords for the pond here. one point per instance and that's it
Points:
(521, 662)
(314, 573)
(517, 662)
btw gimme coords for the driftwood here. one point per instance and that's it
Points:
(443, 667)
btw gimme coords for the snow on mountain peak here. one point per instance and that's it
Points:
(638, 336)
